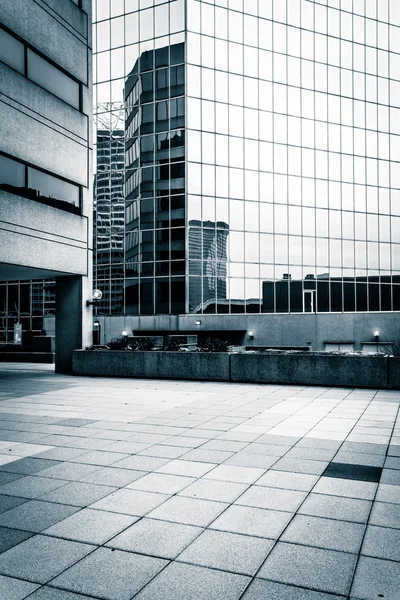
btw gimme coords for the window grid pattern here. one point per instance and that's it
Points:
(26, 303)
(293, 141)
(292, 150)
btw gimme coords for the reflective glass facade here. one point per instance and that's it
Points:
(261, 155)
(26, 303)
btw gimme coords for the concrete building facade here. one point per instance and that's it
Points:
(289, 126)
(46, 205)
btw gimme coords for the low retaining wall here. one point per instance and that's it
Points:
(295, 369)
(28, 357)
(311, 369)
(154, 365)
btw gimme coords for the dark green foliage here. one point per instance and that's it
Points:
(171, 343)
(212, 344)
(142, 343)
(119, 343)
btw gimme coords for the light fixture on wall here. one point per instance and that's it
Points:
(96, 296)
(251, 335)
(376, 334)
(198, 323)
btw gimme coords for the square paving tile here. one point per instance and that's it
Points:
(79, 494)
(390, 476)
(15, 589)
(364, 490)
(189, 511)
(29, 466)
(296, 565)
(157, 538)
(97, 457)
(386, 493)
(186, 468)
(41, 558)
(256, 461)
(130, 502)
(382, 542)
(51, 593)
(228, 551)
(211, 489)
(324, 533)
(112, 477)
(235, 474)
(91, 526)
(356, 458)
(61, 453)
(68, 471)
(110, 574)
(291, 481)
(12, 537)
(141, 463)
(316, 454)
(353, 472)
(376, 578)
(9, 502)
(6, 477)
(36, 515)
(163, 451)
(336, 507)
(31, 486)
(207, 456)
(272, 498)
(301, 465)
(269, 590)
(252, 521)
(188, 582)
(161, 483)
(385, 515)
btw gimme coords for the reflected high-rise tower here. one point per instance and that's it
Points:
(269, 131)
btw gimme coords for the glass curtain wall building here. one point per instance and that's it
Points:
(262, 149)
(261, 154)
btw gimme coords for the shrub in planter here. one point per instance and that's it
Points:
(119, 343)
(171, 344)
(142, 343)
(212, 344)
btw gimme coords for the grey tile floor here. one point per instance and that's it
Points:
(114, 489)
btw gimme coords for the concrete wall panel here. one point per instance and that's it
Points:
(28, 139)
(41, 27)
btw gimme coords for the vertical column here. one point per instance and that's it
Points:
(73, 319)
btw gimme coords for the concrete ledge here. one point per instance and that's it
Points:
(154, 365)
(394, 372)
(28, 357)
(305, 369)
(293, 369)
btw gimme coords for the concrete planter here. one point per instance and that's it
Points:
(154, 365)
(296, 369)
(394, 372)
(311, 369)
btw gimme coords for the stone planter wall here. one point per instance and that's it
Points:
(296, 369)
(153, 365)
(311, 369)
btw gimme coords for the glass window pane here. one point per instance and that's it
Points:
(11, 51)
(52, 79)
(52, 187)
(12, 173)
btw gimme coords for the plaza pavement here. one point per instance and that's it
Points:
(170, 490)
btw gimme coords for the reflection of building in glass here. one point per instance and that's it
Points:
(155, 183)
(331, 294)
(109, 219)
(207, 264)
(25, 302)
